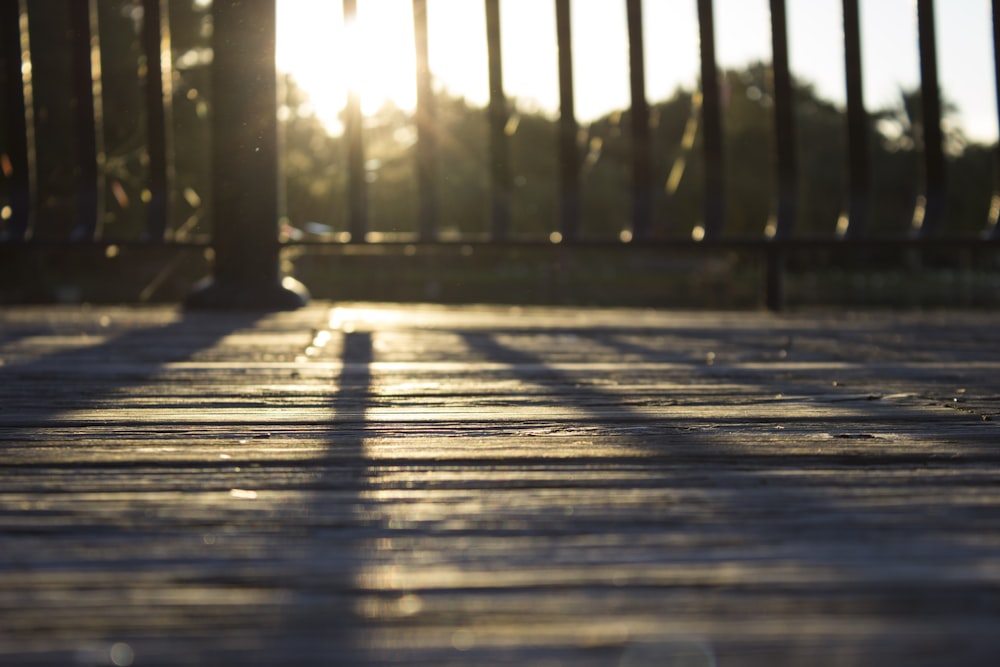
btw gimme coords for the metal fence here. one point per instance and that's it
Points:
(245, 164)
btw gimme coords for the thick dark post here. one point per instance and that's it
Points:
(499, 154)
(89, 118)
(15, 96)
(245, 164)
(993, 229)
(928, 215)
(858, 158)
(357, 186)
(784, 125)
(569, 160)
(159, 94)
(426, 128)
(711, 114)
(642, 168)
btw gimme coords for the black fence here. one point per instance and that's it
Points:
(244, 147)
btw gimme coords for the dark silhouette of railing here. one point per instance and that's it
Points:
(244, 146)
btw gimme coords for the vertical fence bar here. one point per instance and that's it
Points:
(993, 228)
(159, 94)
(858, 159)
(784, 126)
(569, 161)
(784, 129)
(244, 126)
(17, 168)
(426, 128)
(928, 214)
(499, 153)
(642, 168)
(357, 186)
(714, 209)
(86, 63)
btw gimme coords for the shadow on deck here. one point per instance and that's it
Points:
(380, 484)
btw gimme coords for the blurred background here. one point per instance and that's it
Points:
(314, 44)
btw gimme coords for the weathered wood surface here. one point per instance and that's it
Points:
(374, 484)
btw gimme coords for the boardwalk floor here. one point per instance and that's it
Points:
(421, 485)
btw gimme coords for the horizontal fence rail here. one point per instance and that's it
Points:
(245, 144)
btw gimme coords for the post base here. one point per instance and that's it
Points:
(210, 294)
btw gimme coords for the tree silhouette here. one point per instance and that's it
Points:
(314, 162)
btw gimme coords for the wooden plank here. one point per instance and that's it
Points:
(379, 484)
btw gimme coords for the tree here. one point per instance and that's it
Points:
(314, 162)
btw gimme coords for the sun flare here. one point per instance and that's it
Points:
(323, 55)
(314, 41)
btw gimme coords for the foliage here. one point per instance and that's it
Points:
(463, 186)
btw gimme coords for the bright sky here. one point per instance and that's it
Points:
(312, 39)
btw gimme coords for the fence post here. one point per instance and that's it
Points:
(857, 127)
(993, 228)
(426, 128)
(89, 119)
(499, 154)
(159, 94)
(17, 102)
(357, 186)
(714, 207)
(642, 161)
(569, 160)
(245, 164)
(928, 214)
(784, 126)
(787, 207)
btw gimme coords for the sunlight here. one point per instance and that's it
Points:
(378, 45)
(383, 61)
(313, 39)
(314, 45)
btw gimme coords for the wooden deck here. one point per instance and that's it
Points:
(421, 485)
